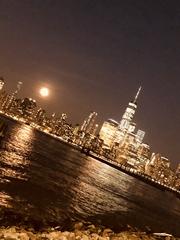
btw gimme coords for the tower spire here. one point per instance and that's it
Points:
(137, 94)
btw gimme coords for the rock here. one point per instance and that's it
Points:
(65, 234)
(107, 232)
(72, 236)
(58, 227)
(94, 236)
(1, 235)
(116, 238)
(104, 238)
(54, 235)
(23, 236)
(88, 233)
(62, 238)
(78, 233)
(148, 229)
(84, 237)
(78, 226)
(31, 236)
(91, 226)
(93, 229)
(10, 238)
(12, 230)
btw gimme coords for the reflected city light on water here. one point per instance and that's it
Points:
(4, 199)
(109, 180)
(23, 135)
(14, 156)
(47, 180)
(16, 152)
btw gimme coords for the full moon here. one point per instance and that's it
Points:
(44, 92)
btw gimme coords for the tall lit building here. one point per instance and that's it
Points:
(140, 135)
(1, 83)
(10, 99)
(127, 150)
(165, 162)
(108, 131)
(126, 124)
(177, 180)
(126, 121)
(95, 129)
(143, 153)
(19, 85)
(178, 170)
(158, 167)
(88, 125)
(3, 94)
(40, 116)
(122, 137)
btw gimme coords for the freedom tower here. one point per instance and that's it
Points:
(126, 121)
(126, 125)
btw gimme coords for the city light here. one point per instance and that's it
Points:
(44, 92)
(119, 144)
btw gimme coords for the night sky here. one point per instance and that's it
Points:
(94, 55)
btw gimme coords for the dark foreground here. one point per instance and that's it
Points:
(44, 182)
(80, 232)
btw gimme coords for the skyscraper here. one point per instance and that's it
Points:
(129, 113)
(178, 170)
(107, 131)
(1, 83)
(40, 116)
(10, 98)
(19, 84)
(126, 124)
(140, 135)
(89, 124)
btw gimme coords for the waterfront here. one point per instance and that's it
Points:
(45, 179)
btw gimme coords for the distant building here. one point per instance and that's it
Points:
(1, 83)
(159, 168)
(178, 170)
(127, 150)
(19, 85)
(76, 129)
(10, 99)
(165, 162)
(126, 121)
(122, 139)
(40, 116)
(94, 132)
(140, 135)
(177, 179)
(126, 124)
(143, 153)
(89, 125)
(107, 132)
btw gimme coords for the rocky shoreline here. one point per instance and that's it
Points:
(80, 231)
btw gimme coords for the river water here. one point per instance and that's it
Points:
(46, 180)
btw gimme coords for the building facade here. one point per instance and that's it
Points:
(107, 132)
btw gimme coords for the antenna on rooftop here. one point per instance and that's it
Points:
(137, 94)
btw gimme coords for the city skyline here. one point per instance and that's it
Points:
(94, 56)
(122, 140)
(132, 104)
